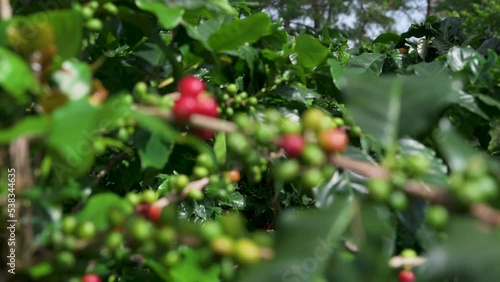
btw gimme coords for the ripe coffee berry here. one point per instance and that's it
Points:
(184, 108)
(191, 86)
(333, 140)
(406, 276)
(232, 175)
(142, 208)
(293, 144)
(91, 278)
(154, 212)
(206, 105)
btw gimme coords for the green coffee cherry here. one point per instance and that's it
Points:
(379, 189)
(180, 181)
(290, 127)
(69, 224)
(311, 177)
(287, 170)
(65, 260)
(211, 230)
(86, 230)
(246, 251)
(110, 8)
(205, 160)
(398, 200)
(166, 236)
(195, 194)
(409, 253)
(437, 216)
(232, 88)
(114, 240)
(94, 25)
(313, 155)
(200, 172)
(149, 196)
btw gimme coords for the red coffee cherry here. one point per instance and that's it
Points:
(406, 276)
(184, 108)
(143, 208)
(206, 105)
(333, 140)
(191, 86)
(293, 144)
(91, 278)
(154, 212)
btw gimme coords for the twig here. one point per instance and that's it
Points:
(177, 197)
(5, 10)
(196, 120)
(412, 187)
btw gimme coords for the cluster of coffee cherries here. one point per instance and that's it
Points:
(299, 148)
(475, 184)
(138, 227)
(91, 9)
(194, 99)
(407, 274)
(235, 101)
(390, 191)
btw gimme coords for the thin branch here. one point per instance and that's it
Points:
(5, 10)
(177, 197)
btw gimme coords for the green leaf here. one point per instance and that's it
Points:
(234, 34)
(220, 149)
(15, 75)
(310, 52)
(72, 133)
(155, 125)
(314, 236)
(367, 62)
(455, 149)
(98, 207)
(468, 102)
(429, 69)
(336, 71)
(189, 269)
(74, 78)
(388, 107)
(386, 38)
(29, 126)
(235, 200)
(457, 258)
(168, 16)
(437, 173)
(457, 57)
(154, 150)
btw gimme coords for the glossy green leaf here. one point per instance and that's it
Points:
(367, 63)
(238, 32)
(153, 150)
(457, 57)
(74, 79)
(455, 149)
(168, 16)
(468, 102)
(310, 52)
(15, 75)
(386, 107)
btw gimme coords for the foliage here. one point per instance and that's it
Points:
(290, 158)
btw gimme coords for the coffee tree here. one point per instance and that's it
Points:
(199, 141)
